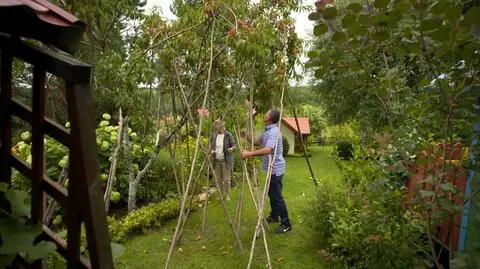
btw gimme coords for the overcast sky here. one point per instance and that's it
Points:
(303, 26)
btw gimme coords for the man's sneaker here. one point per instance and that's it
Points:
(271, 219)
(283, 229)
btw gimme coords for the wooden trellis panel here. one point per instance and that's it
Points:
(84, 197)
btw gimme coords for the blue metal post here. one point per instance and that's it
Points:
(462, 240)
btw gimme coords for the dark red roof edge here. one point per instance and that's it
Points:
(60, 12)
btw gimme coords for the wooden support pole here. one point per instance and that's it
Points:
(301, 139)
(267, 185)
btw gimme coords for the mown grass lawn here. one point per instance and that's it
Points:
(216, 248)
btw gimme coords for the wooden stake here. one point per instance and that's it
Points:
(113, 164)
(207, 194)
(301, 140)
(222, 201)
(197, 144)
(207, 186)
(258, 209)
(267, 186)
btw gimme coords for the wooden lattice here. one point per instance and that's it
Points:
(84, 198)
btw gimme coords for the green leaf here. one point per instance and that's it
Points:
(449, 206)
(426, 193)
(40, 250)
(320, 29)
(3, 187)
(420, 6)
(400, 53)
(475, 30)
(117, 250)
(338, 37)
(363, 19)
(429, 180)
(315, 16)
(472, 15)
(453, 13)
(16, 235)
(320, 73)
(330, 13)
(355, 7)
(381, 3)
(6, 260)
(312, 54)
(381, 36)
(17, 199)
(349, 20)
(431, 24)
(440, 34)
(359, 31)
(440, 7)
(448, 187)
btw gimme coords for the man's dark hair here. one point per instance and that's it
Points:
(274, 115)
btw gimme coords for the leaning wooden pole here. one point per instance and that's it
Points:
(301, 139)
(258, 209)
(252, 146)
(113, 165)
(207, 194)
(238, 213)
(267, 185)
(247, 178)
(190, 201)
(207, 186)
(217, 184)
(197, 144)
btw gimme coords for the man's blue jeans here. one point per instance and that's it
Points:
(277, 204)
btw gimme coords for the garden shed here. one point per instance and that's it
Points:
(290, 131)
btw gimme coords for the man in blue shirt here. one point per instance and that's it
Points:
(268, 141)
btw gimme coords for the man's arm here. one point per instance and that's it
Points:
(268, 149)
(260, 152)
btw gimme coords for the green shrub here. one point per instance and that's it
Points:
(358, 172)
(237, 167)
(346, 131)
(106, 139)
(365, 226)
(143, 219)
(286, 145)
(158, 182)
(320, 140)
(344, 150)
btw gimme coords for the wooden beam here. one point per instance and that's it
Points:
(84, 178)
(60, 65)
(52, 188)
(5, 115)
(51, 128)
(62, 246)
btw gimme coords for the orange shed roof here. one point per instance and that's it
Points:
(292, 125)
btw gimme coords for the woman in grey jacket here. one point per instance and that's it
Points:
(221, 150)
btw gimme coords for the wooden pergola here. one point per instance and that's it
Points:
(54, 27)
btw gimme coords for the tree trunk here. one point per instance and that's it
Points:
(52, 203)
(132, 190)
(113, 165)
